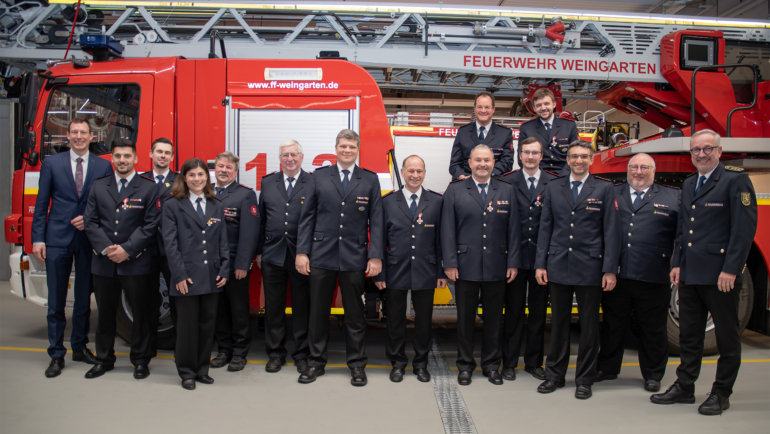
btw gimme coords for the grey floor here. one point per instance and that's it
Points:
(255, 401)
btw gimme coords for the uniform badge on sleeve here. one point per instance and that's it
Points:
(746, 198)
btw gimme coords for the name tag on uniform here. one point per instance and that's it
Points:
(715, 204)
(661, 212)
(593, 208)
(429, 225)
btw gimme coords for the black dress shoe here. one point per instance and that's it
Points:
(237, 364)
(188, 384)
(85, 355)
(274, 364)
(55, 367)
(464, 378)
(422, 374)
(494, 377)
(549, 386)
(602, 376)
(141, 371)
(220, 360)
(301, 365)
(651, 385)
(397, 375)
(583, 392)
(674, 394)
(98, 370)
(311, 374)
(714, 405)
(509, 374)
(537, 372)
(205, 379)
(358, 377)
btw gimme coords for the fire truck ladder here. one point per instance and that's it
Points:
(440, 49)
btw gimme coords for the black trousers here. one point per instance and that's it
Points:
(648, 303)
(588, 299)
(275, 280)
(157, 299)
(196, 317)
(522, 293)
(395, 346)
(492, 299)
(139, 297)
(695, 302)
(232, 331)
(322, 285)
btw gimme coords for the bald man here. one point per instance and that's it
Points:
(648, 214)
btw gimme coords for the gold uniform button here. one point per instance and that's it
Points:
(530, 207)
(340, 226)
(485, 225)
(721, 250)
(570, 237)
(633, 214)
(693, 207)
(690, 230)
(204, 252)
(572, 225)
(573, 212)
(629, 245)
(205, 262)
(343, 203)
(692, 219)
(530, 228)
(485, 236)
(203, 232)
(412, 236)
(287, 213)
(286, 223)
(116, 222)
(117, 210)
(664, 255)
(340, 237)
(412, 226)
(529, 239)
(530, 218)
(570, 249)
(287, 204)
(115, 233)
(629, 234)
(412, 247)
(632, 224)
(413, 258)
(485, 213)
(485, 247)
(204, 241)
(689, 244)
(342, 215)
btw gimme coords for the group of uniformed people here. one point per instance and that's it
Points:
(506, 239)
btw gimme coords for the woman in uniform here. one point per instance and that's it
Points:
(198, 256)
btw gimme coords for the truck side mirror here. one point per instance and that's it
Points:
(34, 157)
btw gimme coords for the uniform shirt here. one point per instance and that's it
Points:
(194, 198)
(708, 175)
(527, 176)
(74, 162)
(342, 175)
(215, 187)
(549, 121)
(634, 193)
(156, 174)
(582, 182)
(296, 177)
(486, 130)
(408, 195)
(128, 180)
(486, 188)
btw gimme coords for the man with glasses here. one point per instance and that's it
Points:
(483, 131)
(648, 218)
(280, 201)
(718, 223)
(529, 185)
(577, 253)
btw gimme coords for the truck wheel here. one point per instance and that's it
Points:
(166, 332)
(745, 305)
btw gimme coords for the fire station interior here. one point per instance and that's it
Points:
(424, 104)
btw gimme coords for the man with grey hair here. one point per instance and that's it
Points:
(718, 223)
(280, 201)
(232, 332)
(648, 216)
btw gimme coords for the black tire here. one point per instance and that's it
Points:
(166, 332)
(745, 306)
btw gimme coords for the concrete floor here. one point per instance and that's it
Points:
(256, 401)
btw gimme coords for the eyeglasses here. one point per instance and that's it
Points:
(635, 168)
(289, 155)
(706, 150)
(532, 153)
(579, 157)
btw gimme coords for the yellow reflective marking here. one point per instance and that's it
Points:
(31, 191)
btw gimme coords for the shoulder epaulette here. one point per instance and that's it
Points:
(734, 168)
(271, 173)
(670, 186)
(551, 173)
(388, 194)
(245, 186)
(106, 176)
(373, 173)
(434, 192)
(147, 178)
(603, 179)
(170, 197)
(502, 180)
(512, 171)
(321, 168)
(694, 173)
(458, 179)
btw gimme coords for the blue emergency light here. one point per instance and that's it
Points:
(102, 47)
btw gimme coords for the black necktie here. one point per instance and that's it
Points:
(575, 185)
(122, 185)
(481, 134)
(638, 200)
(483, 193)
(413, 206)
(219, 190)
(548, 130)
(345, 181)
(701, 181)
(160, 181)
(199, 209)
(531, 187)
(290, 187)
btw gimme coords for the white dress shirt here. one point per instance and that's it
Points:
(408, 195)
(486, 129)
(549, 121)
(74, 161)
(128, 179)
(296, 178)
(194, 198)
(527, 176)
(485, 188)
(164, 175)
(634, 192)
(342, 175)
(582, 182)
(707, 175)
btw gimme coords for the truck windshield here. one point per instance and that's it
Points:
(112, 112)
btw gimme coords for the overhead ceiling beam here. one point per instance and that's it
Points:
(471, 78)
(416, 74)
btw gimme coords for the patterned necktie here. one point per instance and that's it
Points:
(199, 209)
(701, 181)
(531, 186)
(123, 182)
(413, 206)
(575, 185)
(481, 134)
(160, 181)
(345, 181)
(638, 200)
(290, 187)
(219, 190)
(483, 193)
(79, 176)
(548, 130)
